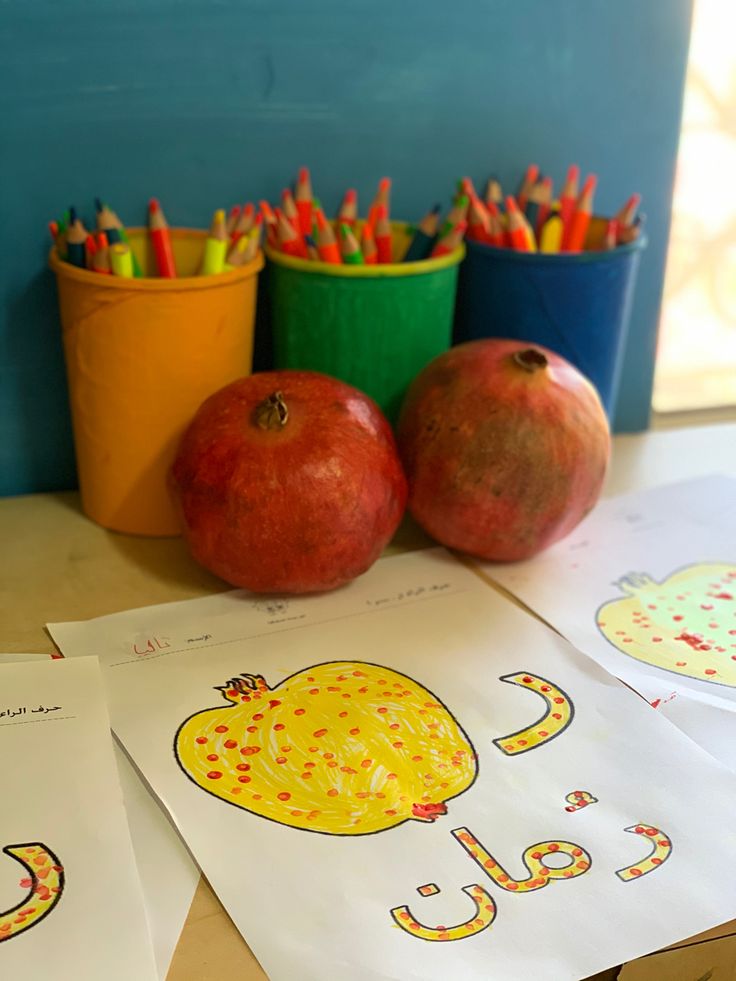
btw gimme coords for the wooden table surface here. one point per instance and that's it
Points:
(58, 565)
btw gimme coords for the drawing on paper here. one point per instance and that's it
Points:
(685, 624)
(578, 799)
(576, 862)
(660, 851)
(44, 884)
(340, 748)
(558, 715)
(483, 915)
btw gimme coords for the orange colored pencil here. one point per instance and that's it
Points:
(269, 222)
(626, 216)
(450, 241)
(496, 229)
(383, 234)
(368, 246)
(161, 240)
(348, 212)
(304, 199)
(574, 240)
(327, 246)
(517, 227)
(569, 197)
(528, 182)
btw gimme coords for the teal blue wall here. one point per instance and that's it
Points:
(208, 102)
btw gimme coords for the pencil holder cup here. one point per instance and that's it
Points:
(141, 356)
(373, 326)
(575, 303)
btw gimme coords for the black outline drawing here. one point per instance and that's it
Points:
(23, 927)
(283, 682)
(650, 838)
(510, 679)
(489, 900)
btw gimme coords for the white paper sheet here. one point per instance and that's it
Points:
(647, 587)
(434, 649)
(169, 875)
(71, 904)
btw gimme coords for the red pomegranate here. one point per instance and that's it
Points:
(288, 481)
(505, 446)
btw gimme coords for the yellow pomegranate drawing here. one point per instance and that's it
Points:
(342, 748)
(685, 624)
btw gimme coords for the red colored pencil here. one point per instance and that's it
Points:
(383, 234)
(90, 247)
(383, 196)
(101, 256)
(574, 239)
(304, 198)
(232, 219)
(348, 213)
(245, 222)
(568, 198)
(479, 221)
(625, 217)
(161, 240)
(288, 238)
(288, 206)
(496, 229)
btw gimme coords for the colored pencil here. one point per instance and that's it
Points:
(109, 223)
(101, 255)
(550, 234)
(574, 238)
(289, 240)
(290, 210)
(479, 221)
(312, 250)
(458, 212)
(254, 240)
(348, 212)
(626, 217)
(610, 239)
(383, 237)
(121, 260)
(76, 236)
(327, 246)
(450, 240)
(161, 240)
(495, 226)
(245, 222)
(304, 200)
(215, 246)
(233, 218)
(368, 245)
(569, 197)
(544, 203)
(269, 222)
(424, 236)
(517, 227)
(494, 192)
(383, 196)
(528, 182)
(90, 247)
(349, 248)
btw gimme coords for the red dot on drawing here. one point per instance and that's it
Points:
(558, 701)
(279, 726)
(299, 711)
(214, 775)
(212, 757)
(201, 740)
(678, 618)
(542, 734)
(319, 733)
(230, 744)
(656, 861)
(635, 871)
(382, 710)
(656, 640)
(250, 750)
(545, 688)
(526, 679)
(244, 779)
(220, 728)
(710, 671)
(284, 795)
(680, 664)
(257, 717)
(556, 715)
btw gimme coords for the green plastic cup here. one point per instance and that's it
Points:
(374, 327)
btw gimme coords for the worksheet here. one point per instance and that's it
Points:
(169, 875)
(71, 904)
(412, 778)
(646, 585)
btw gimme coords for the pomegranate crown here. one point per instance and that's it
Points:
(244, 688)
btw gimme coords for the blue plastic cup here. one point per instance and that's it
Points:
(577, 304)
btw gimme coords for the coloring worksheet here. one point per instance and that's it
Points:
(646, 585)
(412, 778)
(71, 905)
(168, 875)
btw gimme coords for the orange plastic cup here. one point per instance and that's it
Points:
(141, 356)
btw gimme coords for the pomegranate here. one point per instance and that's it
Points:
(288, 481)
(505, 445)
